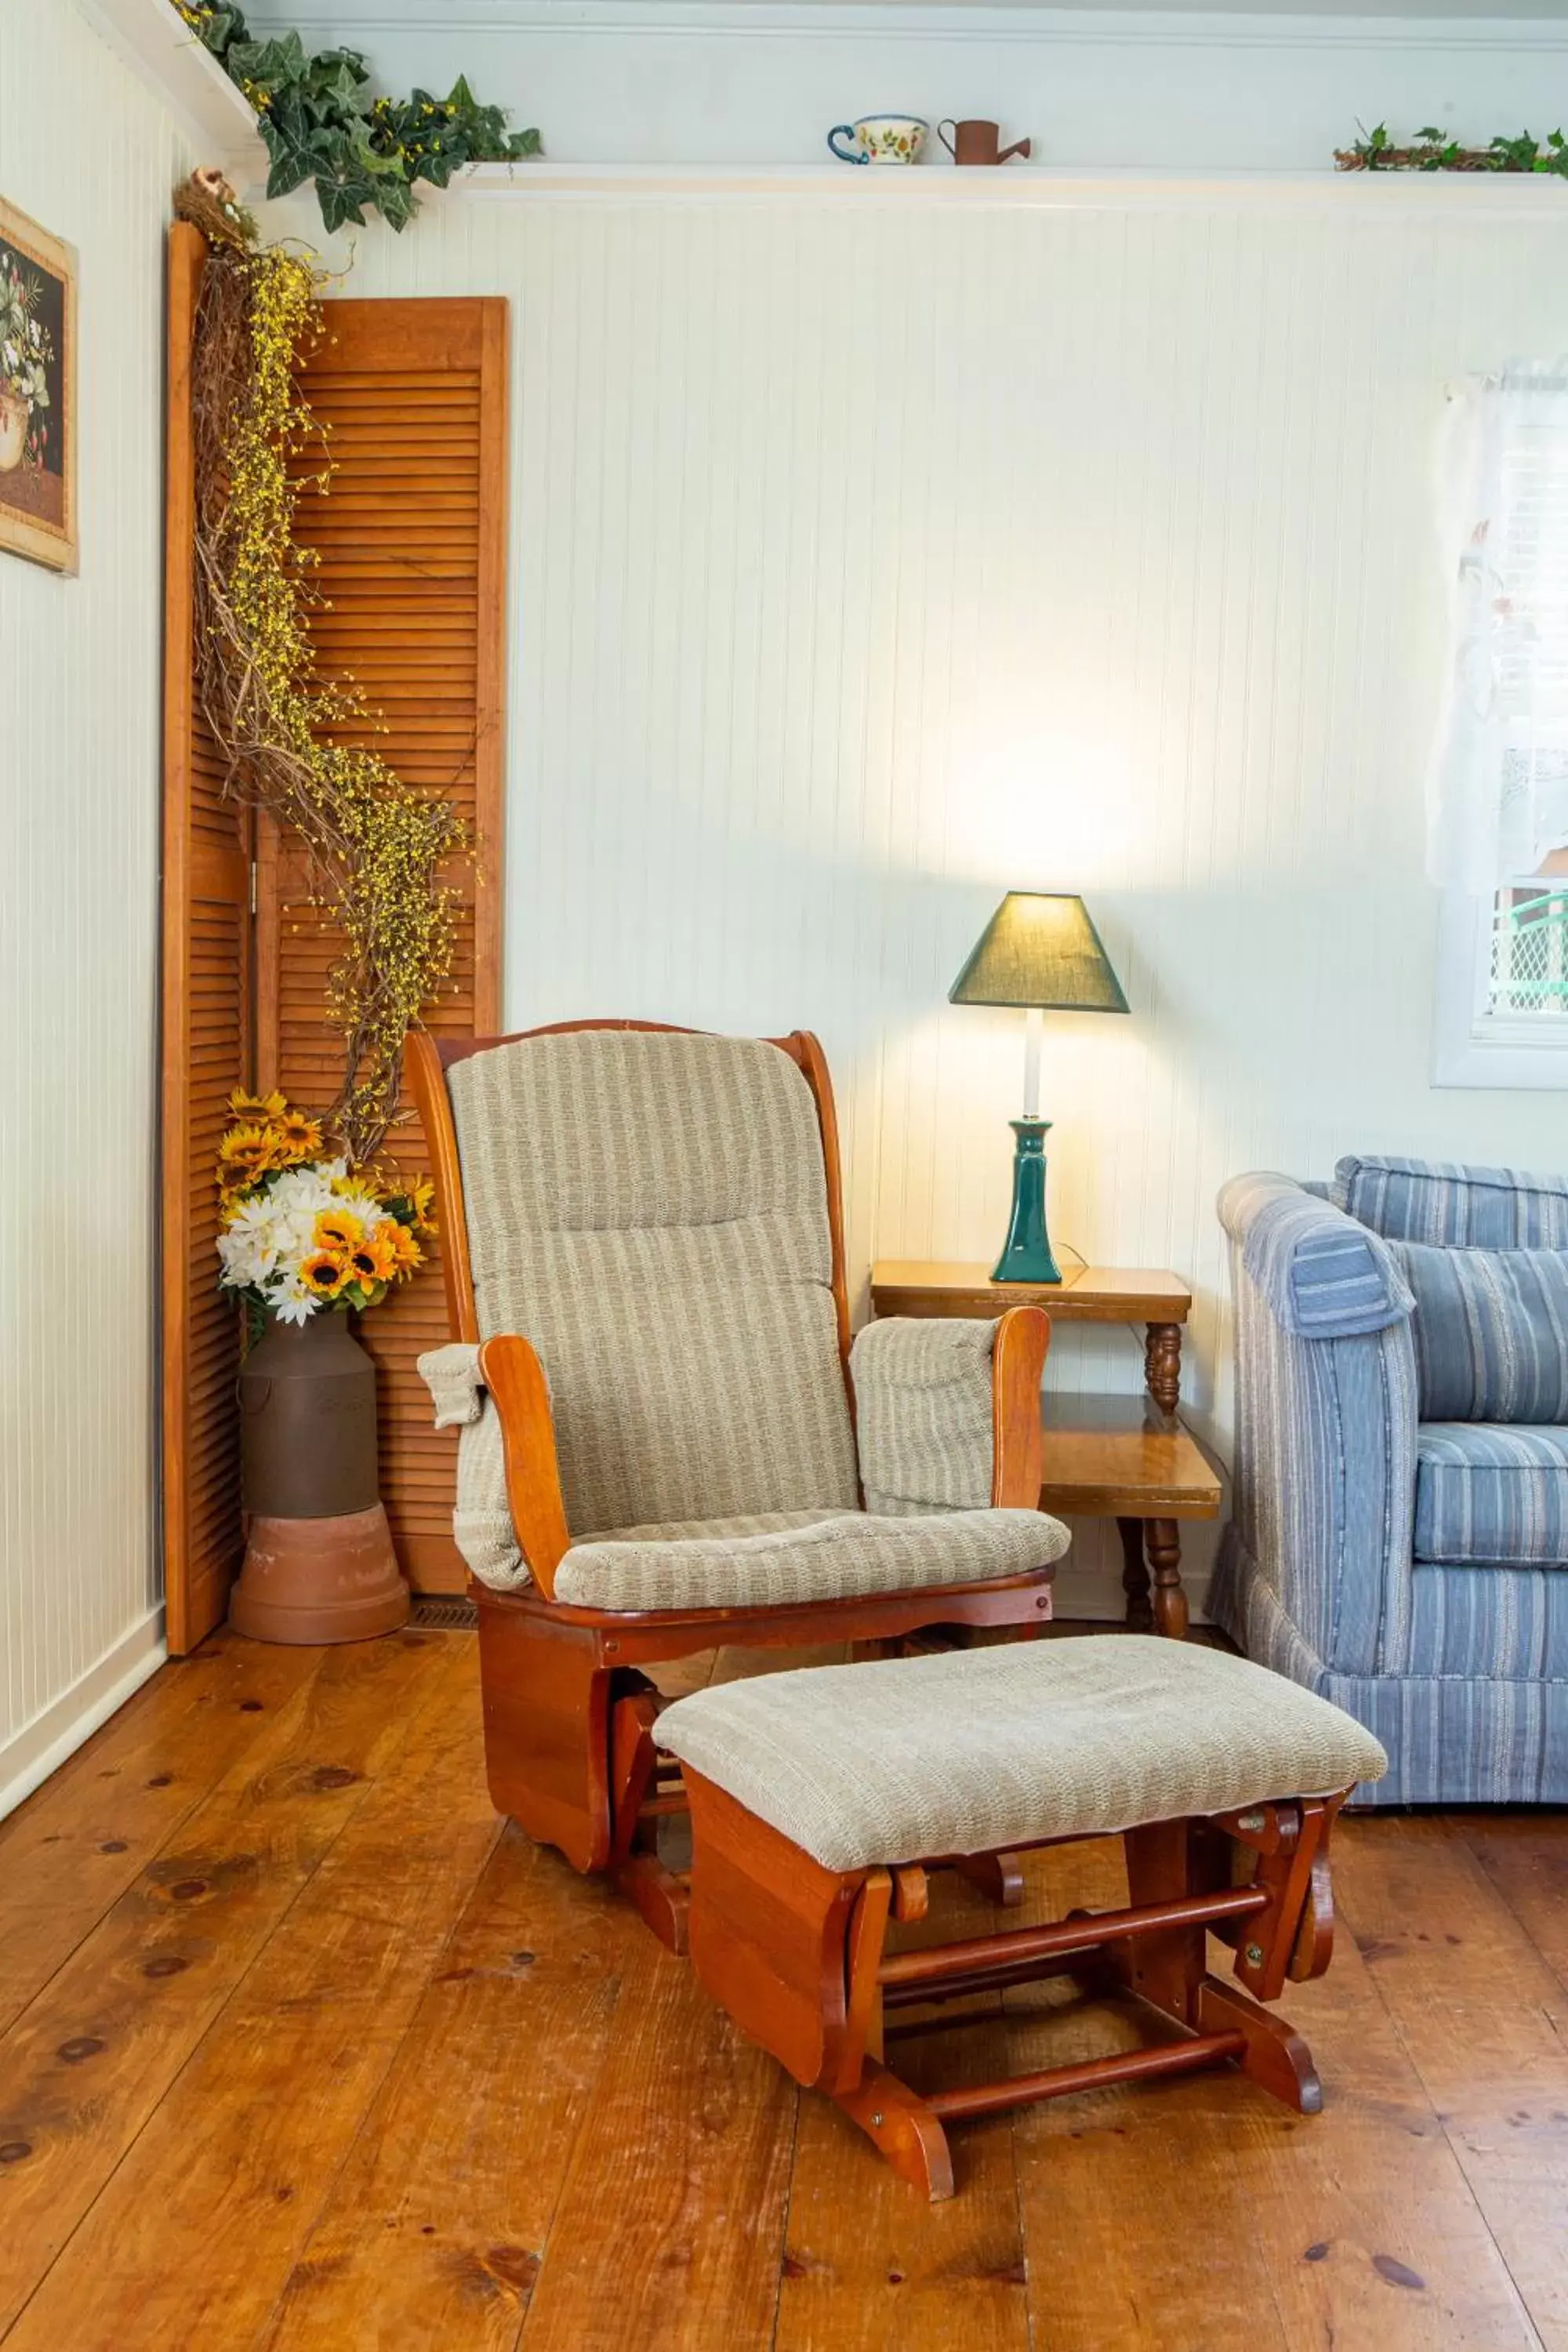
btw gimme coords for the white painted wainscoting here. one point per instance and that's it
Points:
(89, 152)
(869, 558)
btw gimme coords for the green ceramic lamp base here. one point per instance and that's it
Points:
(1026, 1252)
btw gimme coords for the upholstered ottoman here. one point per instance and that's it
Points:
(821, 1799)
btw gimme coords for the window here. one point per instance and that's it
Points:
(1502, 983)
(1500, 783)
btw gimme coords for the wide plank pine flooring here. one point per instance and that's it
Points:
(301, 2048)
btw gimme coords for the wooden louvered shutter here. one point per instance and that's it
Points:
(206, 1049)
(412, 538)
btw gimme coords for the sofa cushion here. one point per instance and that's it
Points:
(1442, 1202)
(1491, 1332)
(968, 1751)
(768, 1560)
(1492, 1496)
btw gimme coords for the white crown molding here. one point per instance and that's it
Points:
(155, 42)
(1378, 195)
(359, 21)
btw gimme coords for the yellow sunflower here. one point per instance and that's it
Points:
(251, 1107)
(245, 1153)
(325, 1273)
(421, 1197)
(298, 1134)
(407, 1249)
(340, 1230)
(378, 1253)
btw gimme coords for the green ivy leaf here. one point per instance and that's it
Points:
(220, 29)
(292, 157)
(337, 93)
(343, 200)
(271, 65)
(368, 159)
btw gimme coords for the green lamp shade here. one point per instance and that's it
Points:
(1041, 952)
(1040, 949)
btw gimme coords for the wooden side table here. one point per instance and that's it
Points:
(1127, 1459)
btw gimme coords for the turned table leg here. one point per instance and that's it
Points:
(1163, 1364)
(1165, 1545)
(1135, 1577)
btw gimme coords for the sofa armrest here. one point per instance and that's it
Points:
(948, 1411)
(1323, 1275)
(1325, 1420)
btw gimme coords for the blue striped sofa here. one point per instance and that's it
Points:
(1414, 1571)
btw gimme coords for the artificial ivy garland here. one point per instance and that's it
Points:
(319, 122)
(379, 850)
(1429, 151)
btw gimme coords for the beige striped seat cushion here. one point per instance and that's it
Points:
(767, 1560)
(971, 1751)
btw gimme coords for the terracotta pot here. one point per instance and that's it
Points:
(320, 1580)
(12, 431)
(318, 1566)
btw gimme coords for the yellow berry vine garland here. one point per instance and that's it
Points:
(292, 742)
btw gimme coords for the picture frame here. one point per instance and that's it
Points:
(37, 393)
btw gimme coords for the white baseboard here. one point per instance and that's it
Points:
(42, 1746)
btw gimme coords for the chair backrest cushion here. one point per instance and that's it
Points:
(1491, 1332)
(1442, 1203)
(650, 1210)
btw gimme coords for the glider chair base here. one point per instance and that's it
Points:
(569, 1714)
(798, 1955)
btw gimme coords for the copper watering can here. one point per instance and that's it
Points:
(978, 142)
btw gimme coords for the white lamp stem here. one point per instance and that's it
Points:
(1034, 1025)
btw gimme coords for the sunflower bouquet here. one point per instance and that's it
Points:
(299, 1231)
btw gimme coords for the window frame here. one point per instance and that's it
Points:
(1471, 1045)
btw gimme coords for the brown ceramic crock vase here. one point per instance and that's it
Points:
(319, 1565)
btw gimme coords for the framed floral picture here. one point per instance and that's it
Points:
(37, 393)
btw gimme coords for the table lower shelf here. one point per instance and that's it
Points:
(1120, 1457)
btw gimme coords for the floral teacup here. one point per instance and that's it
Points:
(879, 139)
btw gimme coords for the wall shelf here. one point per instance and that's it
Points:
(1026, 187)
(216, 119)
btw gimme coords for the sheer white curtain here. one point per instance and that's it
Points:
(1499, 779)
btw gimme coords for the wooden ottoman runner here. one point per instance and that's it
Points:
(820, 1799)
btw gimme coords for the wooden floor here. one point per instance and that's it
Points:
(299, 2048)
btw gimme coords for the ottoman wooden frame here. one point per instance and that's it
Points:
(568, 1712)
(798, 1954)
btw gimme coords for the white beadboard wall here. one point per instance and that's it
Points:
(86, 150)
(868, 559)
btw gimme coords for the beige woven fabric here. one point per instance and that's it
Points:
(756, 1563)
(922, 1413)
(974, 1751)
(481, 1518)
(651, 1213)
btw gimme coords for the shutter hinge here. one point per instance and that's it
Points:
(253, 886)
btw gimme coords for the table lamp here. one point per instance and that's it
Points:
(1039, 951)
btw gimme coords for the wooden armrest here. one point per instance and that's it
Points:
(1023, 1336)
(515, 1379)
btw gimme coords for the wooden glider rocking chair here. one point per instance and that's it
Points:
(643, 1248)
